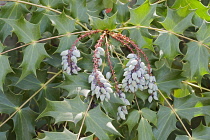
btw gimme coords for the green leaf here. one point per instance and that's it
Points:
(65, 135)
(103, 24)
(33, 56)
(86, 62)
(3, 135)
(201, 10)
(108, 3)
(191, 106)
(142, 38)
(150, 115)
(203, 33)
(123, 13)
(201, 133)
(66, 43)
(72, 82)
(5, 69)
(52, 3)
(143, 15)
(68, 110)
(26, 31)
(166, 123)
(168, 79)
(133, 119)
(198, 58)
(11, 10)
(24, 122)
(62, 23)
(100, 124)
(178, 20)
(145, 130)
(6, 106)
(87, 138)
(169, 44)
(182, 137)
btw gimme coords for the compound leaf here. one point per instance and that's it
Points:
(68, 110)
(33, 56)
(100, 124)
(65, 135)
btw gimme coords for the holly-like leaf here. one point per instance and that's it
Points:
(68, 110)
(168, 79)
(6, 106)
(87, 138)
(11, 10)
(65, 135)
(203, 33)
(191, 106)
(33, 56)
(103, 24)
(169, 44)
(52, 3)
(123, 13)
(133, 119)
(26, 31)
(100, 124)
(3, 135)
(150, 115)
(201, 132)
(24, 122)
(166, 123)
(201, 10)
(142, 38)
(62, 23)
(143, 15)
(72, 82)
(178, 20)
(145, 130)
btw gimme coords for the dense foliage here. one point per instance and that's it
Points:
(64, 65)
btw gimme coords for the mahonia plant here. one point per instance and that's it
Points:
(104, 70)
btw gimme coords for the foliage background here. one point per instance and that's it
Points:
(36, 103)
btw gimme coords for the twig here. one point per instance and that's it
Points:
(194, 85)
(83, 121)
(19, 108)
(188, 133)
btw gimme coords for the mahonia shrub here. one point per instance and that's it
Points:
(104, 70)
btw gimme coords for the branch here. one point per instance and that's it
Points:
(194, 85)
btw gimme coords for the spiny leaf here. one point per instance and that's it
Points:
(166, 123)
(62, 23)
(52, 3)
(33, 56)
(6, 106)
(168, 79)
(150, 115)
(87, 138)
(191, 106)
(142, 38)
(123, 13)
(68, 110)
(103, 24)
(203, 33)
(169, 45)
(145, 130)
(72, 82)
(133, 119)
(100, 124)
(26, 31)
(24, 122)
(11, 10)
(201, 133)
(143, 15)
(178, 20)
(65, 135)
(201, 10)
(198, 58)
(3, 135)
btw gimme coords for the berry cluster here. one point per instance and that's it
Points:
(137, 75)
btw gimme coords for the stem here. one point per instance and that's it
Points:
(194, 85)
(51, 9)
(175, 114)
(45, 39)
(19, 108)
(135, 98)
(85, 115)
(162, 30)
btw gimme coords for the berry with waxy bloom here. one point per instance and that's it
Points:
(69, 60)
(100, 86)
